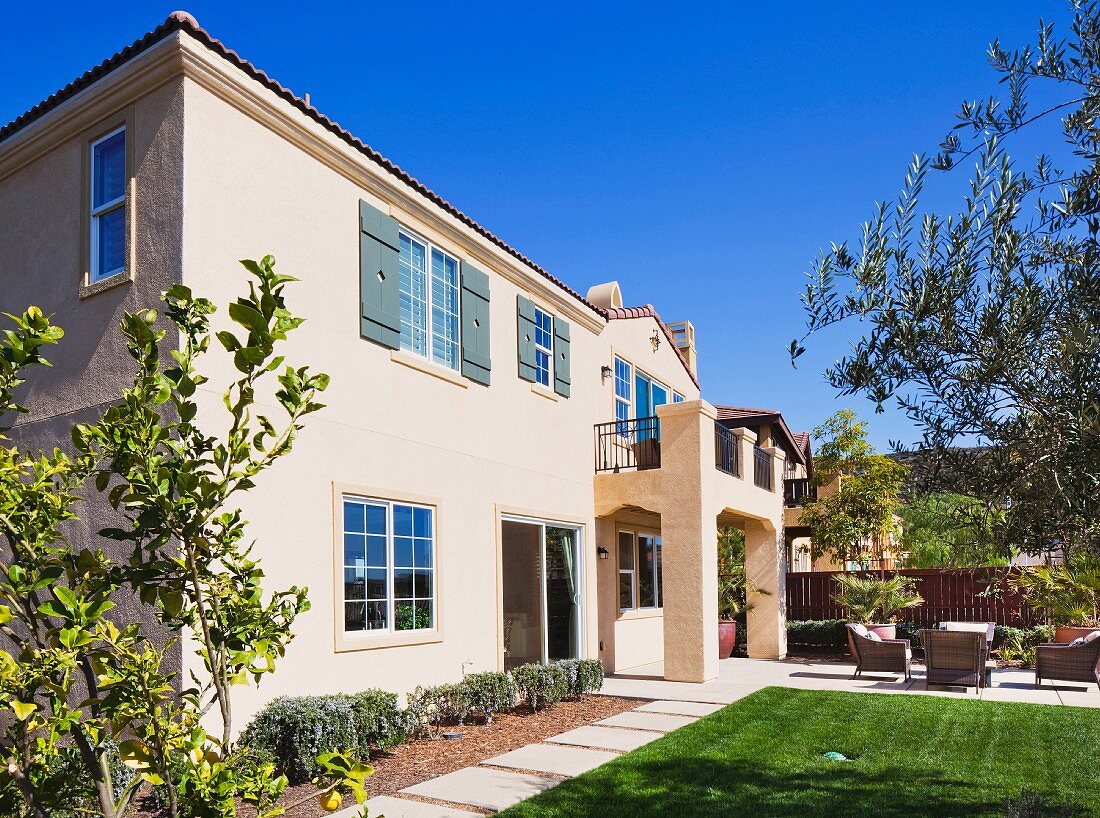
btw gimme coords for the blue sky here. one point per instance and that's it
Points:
(701, 158)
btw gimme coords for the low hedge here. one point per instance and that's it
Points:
(582, 675)
(542, 685)
(293, 731)
(832, 633)
(430, 707)
(491, 693)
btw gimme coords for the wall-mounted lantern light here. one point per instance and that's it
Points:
(605, 372)
(603, 553)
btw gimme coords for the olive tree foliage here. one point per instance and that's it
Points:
(90, 712)
(849, 523)
(984, 325)
(943, 530)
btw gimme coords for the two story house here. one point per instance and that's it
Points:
(507, 471)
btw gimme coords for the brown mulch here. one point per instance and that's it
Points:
(421, 759)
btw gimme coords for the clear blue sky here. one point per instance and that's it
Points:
(700, 154)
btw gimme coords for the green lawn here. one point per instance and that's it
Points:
(911, 756)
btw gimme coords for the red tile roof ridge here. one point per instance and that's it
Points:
(647, 311)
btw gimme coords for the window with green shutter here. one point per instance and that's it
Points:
(476, 363)
(378, 292)
(561, 357)
(525, 332)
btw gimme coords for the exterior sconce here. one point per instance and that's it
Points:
(655, 339)
(605, 372)
(603, 553)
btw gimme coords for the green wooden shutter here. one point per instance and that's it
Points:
(378, 297)
(475, 324)
(525, 330)
(561, 357)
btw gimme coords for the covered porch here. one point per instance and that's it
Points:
(657, 522)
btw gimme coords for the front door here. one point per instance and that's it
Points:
(542, 596)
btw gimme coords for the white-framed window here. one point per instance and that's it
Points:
(107, 206)
(624, 403)
(389, 565)
(428, 293)
(677, 397)
(544, 346)
(640, 570)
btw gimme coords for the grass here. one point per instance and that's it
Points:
(911, 756)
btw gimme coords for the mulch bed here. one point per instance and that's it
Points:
(421, 759)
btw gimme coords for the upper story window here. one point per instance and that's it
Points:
(389, 565)
(428, 289)
(107, 246)
(677, 397)
(544, 346)
(624, 378)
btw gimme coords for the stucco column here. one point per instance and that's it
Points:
(746, 440)
(689, 536)
(765, 568)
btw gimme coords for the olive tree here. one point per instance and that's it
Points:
(90, 711)
(983, 325)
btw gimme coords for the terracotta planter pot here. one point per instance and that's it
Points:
(884, 631)
(727, 638)
(1064, 634)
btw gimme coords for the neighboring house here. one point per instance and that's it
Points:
(506, 471)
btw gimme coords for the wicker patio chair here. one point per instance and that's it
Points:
(885, 656)
(955, 658)
(1068, 663)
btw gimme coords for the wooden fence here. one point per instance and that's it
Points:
(950, 594)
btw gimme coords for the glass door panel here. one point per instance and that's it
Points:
(562, 595)
(521, 560)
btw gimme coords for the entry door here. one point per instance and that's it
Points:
(541, 593)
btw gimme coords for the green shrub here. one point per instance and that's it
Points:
(542, 685)
(430, 707)
(1033, 805)
(581, 675)
(823, 633)
(490, 693)
(293, 731)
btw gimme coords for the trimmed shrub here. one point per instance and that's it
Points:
(490, 693)
(581, 675)
(824, 633)
(542, 685)
(293, 731)
(430, 707)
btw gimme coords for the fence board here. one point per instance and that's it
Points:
(950, 594)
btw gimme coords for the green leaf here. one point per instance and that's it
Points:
(23, 710)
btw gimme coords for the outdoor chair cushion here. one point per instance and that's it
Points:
(874, 637)
(859, 630)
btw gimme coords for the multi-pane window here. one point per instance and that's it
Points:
(389, 559)
(107, 243)
(624, 377)
(677, 397)
(640, 570)
(544, 346)
(428, 302)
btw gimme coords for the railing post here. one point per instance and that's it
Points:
(746, 440)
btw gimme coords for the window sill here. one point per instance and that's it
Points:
(544, 392)
(104, 284)
(363, 640)
(640, 613)
(420, 364)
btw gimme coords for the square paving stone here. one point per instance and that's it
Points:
(680, 708)
(605, 738)
(558, 759)
(481, 787)
(661, 722)
(406, 808)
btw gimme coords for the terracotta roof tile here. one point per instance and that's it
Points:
(184, 22)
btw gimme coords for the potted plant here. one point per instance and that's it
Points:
(733, 585)
(1068, 593)
(874, 601)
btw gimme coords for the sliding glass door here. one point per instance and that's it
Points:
(541, 593)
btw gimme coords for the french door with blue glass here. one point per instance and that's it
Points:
(648, 395)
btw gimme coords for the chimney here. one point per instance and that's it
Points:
(683, 333)
(606, 296)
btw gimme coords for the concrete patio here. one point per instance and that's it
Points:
(739, 677)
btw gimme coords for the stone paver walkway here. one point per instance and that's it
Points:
(605, 738)
(661, 722)
(482, 787)
(556, 759)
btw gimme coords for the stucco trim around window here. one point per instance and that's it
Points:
(344, 641)
(86, 287)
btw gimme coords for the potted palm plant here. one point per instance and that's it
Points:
(1068, 593)
(733, 586)
(874, 601)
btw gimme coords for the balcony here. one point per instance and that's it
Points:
(796, 490)
(762, 468)
(727, 451)
(628, 445)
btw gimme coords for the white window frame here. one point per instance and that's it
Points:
(628, 402)
(636, 535)
(96, 275)
(391, 605)
(429, 349)
(677, 397)
(548, 350)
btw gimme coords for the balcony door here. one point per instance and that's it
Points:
(648, 395)
(541, 574)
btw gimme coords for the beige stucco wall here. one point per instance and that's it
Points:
(391, 430)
